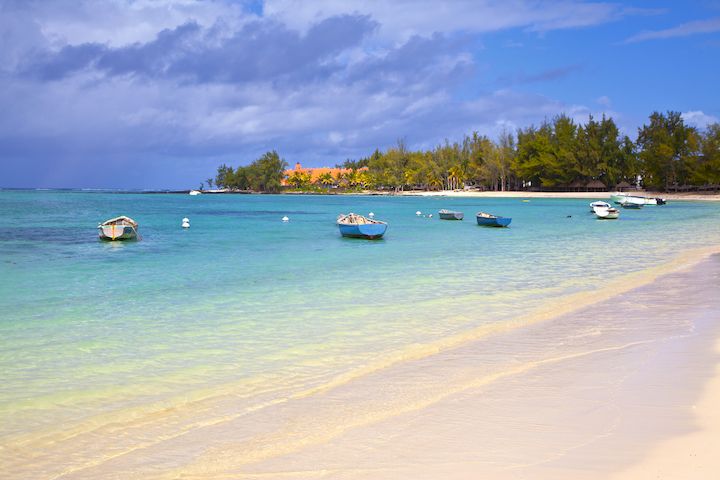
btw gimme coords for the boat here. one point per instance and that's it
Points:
(356, 226)
(621, 198)
(488, 220)
(628, 203)
(599, 204)
(195, 192)
(617, 197)
(118, 228)
(606, 213)
(655, 201)
(450, 215)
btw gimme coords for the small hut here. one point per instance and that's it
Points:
(596, 186)
(622, 186)
(576, 186)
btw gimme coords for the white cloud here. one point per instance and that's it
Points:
(698, 118)
(682, 30)
(108, 86)
(401, 19)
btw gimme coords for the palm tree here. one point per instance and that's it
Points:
(326, 179)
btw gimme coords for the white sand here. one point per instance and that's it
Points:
(596, 195)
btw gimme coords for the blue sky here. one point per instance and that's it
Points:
(158, 93)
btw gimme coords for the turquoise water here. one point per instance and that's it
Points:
(243, 310)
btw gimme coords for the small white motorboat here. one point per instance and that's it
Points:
(600, 204)
(606, 213)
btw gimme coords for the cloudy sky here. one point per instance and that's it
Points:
(157, 93)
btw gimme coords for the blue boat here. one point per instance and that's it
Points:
(487, 220)
(356, 226)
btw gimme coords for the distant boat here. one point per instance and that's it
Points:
(450, 215)
(488, 220)
(357, 226)
(655, 201)
(118, 228)
(618, 197)
(599, 204)
(195, 192)
(628, 203)
(621, 198)
(606, 213)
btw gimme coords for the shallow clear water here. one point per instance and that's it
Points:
(243, 310)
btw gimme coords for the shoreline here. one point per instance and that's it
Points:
(466, 399)
(695, 197)
(712, 197)
(709, 197)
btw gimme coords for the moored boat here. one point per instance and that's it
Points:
(606, 213)
(450, 215)
(621, 198)
(488, 220)
(599, 204)
(356, 226)
(617, 197)
(628, 203)
(118, 228)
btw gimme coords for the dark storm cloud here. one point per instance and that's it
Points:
(260, 50)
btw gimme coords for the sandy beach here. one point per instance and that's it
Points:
(632, 394)
(710, 197)
(630, 391)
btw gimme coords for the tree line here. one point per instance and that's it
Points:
(558, 154)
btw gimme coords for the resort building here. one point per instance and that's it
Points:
(316, 173)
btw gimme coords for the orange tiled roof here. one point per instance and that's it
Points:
(316, 172)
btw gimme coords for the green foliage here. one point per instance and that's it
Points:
(668, 150)
(706, 168)
(263, 175)
(557, 154)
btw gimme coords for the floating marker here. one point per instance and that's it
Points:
(418, 213)
(185, 222)
(371, 214)
(285, 219)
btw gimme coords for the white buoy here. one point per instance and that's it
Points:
(430, 216)
(418, 213)
(371, 214)
(185, 222)
(285, 219)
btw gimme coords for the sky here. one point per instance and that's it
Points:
(155, 94)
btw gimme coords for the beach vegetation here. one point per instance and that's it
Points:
(558, 154)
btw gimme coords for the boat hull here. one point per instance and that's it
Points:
(599, 204)
(606, 213)
(451, 215)
(117, 232)
(370, 231)
(633, 205)
(493, 222)
(617, 197)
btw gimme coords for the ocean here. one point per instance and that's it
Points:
(108, 349)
